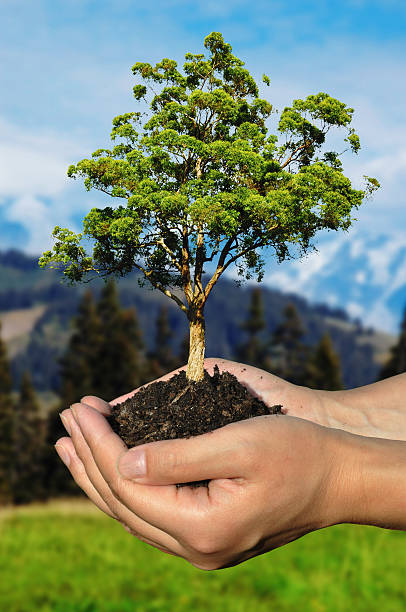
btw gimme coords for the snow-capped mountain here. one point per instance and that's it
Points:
(364, 274)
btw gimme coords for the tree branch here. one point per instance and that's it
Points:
(214, 251)
(290, 158)
(199, 262)
(187, 283)
(170, 253)
(148, 273)
(256, 245)
(220, 267)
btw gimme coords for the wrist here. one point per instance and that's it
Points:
(368, 483)
(365, 411)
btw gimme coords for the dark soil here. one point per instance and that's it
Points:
(179, 408)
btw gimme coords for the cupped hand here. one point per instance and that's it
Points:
(373, 411)
(272, 480)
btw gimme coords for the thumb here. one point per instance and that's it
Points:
(217, 454)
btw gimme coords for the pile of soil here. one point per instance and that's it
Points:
(179, 408)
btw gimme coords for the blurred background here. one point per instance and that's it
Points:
(333, 320)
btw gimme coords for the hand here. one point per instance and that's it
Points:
(274, 479)
(375, 410)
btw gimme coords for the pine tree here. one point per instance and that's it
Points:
(133, 366)
(104, 358)
(396, 363)
(80, 361)
(288, 353)
(119, 361)
(6, 427)
(28, 442)
(253, 350)
(323, 369)
(78, 367)
(162, 359)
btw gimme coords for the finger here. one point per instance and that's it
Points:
(158, 506)
(223, 453)
(83, 453)
(97, 403)
(66, 451)
(121, 505)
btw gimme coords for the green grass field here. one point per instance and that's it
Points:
(67, 557)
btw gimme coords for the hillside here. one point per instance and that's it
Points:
(36, 309)
(363, 271)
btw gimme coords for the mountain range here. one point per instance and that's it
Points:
(363, 273)
(36, 311)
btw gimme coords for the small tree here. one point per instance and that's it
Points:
(206, 184)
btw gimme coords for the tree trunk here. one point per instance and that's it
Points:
(195, 364)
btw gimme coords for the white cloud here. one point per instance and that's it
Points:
(361, 277)
(354, 309)
(302, 275)
(34, 188)
(36, 218)
(34, 162)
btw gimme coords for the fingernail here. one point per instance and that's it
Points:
(63, 454)
(75, 413)
(133, 464)
(65, 423)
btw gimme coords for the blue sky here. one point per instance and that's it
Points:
(65, 73)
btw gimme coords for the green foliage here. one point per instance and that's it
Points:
(104, 358)
(323, 368)
(103, 355)
(29, 446)
(396, 364)
(77, 370)
(203, 180)
(161, 359)
(6, 426)
(253, 350)
(288, 352)
(60, 558)
(79, 363)
(118, 360)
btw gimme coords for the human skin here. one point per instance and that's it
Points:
(273, 478)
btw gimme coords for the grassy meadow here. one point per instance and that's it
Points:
(68, 557)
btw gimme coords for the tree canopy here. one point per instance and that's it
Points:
(201, 181)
